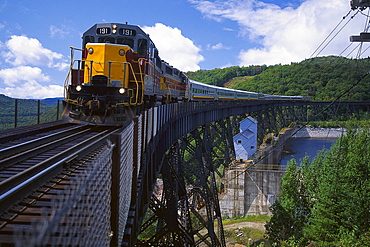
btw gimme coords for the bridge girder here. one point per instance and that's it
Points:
(190, 169)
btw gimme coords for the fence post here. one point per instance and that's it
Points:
(15, 112)
(58, 111)
(38, 111)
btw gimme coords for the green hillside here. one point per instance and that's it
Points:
(219, 77)
(27, 112)
(322, 78)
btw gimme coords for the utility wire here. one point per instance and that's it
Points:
(365, 50)
(344, 17)
(334, 35)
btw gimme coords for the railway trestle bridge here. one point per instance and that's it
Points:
(111, 195)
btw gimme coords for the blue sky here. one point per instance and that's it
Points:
(35, 35)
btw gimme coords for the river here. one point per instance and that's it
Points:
(298, 148)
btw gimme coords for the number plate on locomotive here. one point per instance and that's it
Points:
(127, 32)
(103, 30)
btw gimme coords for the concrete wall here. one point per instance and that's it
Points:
(262, 190)
(319, 132)
(249, 192)
(252, 191)
(270, 153)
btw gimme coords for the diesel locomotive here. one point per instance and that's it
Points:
(120, 73)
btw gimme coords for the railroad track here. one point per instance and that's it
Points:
(31, 166)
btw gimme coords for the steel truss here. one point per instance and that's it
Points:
(187, 212)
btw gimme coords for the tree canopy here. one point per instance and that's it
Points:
(321, 78)
(327, 201)
(27, 112)
(219, 77)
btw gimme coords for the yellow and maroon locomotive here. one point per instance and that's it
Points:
(119, 74)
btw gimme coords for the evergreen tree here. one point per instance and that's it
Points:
(292, 210)
(327, 201)
(342, 201)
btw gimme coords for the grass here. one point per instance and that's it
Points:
(249, 218)
(244, 235)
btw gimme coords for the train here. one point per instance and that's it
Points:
(120, 74)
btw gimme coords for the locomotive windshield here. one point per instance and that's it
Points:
(106, 39)
(126, 41)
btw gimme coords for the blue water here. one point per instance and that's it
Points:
(298, 148)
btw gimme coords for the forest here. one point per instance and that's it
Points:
(326, 203)
(27, 111)
(321, 78)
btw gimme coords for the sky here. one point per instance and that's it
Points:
(36, 35)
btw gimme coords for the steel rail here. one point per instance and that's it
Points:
(19, 157)
(15, 188)
(22, 147)
(17, 133)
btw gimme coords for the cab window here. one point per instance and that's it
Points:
(126, 41)
(106, 40)
(142, 47)
(89, 39)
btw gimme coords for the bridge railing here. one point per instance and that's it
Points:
(128, 170)
(28, 112)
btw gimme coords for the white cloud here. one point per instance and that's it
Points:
(26, 79)
(56, 32)
(33, 90)
(228, 29)
(174, 48)
(23, 82)
(29, 51)
(21, 74)
(218, 46)
(285, 34)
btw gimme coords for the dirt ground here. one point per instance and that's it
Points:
(230, 242)
(256, 225)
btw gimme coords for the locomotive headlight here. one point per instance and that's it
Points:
(78, 88)
(121, 52)
(121, 90)
(90, 50)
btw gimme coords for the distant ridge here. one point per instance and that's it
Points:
(27, 111)
(321, 78)
(52, 101)
(49, 101)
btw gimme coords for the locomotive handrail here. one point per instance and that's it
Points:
(72, 61)
(90, 71)
(134, 98)
(136, 82)
(142, 79)
(137, 86)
